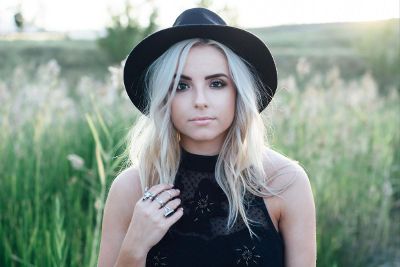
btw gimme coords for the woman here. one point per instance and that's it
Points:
(203, 189)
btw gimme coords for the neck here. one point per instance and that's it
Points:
(209, 149)
(197, 162)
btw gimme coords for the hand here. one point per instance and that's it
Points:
(148, 224)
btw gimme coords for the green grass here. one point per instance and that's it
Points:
(343, 133)
(332, 120)
(349, 153)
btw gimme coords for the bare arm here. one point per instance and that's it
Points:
(298, 222)
(132, 225)
(124, 193)
(294, 210)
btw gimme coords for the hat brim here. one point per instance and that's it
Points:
(243, 43)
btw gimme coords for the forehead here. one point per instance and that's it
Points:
(206, 57)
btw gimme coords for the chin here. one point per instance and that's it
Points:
(204, 137)
(201, 138)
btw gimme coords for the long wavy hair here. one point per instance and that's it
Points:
(153, 142)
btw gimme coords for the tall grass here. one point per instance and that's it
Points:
(60, 147)
(346, 137)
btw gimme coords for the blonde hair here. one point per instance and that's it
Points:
(153, 142)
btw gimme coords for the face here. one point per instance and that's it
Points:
(205, 90)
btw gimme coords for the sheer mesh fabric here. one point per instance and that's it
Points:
(206, 207)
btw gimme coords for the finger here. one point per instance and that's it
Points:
(174, 217)
(161, 199)
(158, 202)
(169, 194)
(173, 204)
(156, 189)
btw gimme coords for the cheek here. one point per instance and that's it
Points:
(176, 111)
(174, 116)
(232, 105)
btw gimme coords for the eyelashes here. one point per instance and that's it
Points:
(182, 86)
(219, 82)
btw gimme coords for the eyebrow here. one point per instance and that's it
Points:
(206, 78)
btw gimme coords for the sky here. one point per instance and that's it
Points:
(81, 15)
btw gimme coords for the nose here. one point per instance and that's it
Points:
(200, 98)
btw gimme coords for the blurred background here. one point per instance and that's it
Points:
(64, 115)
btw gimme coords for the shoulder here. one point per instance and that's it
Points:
(127, 181)
(297, 218)
(281, 170)
(287, 174)
(124, 192)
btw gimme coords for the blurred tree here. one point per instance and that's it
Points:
(124, 33)
(19, 20)
(204, 3)
(228, 13)
(381, 51)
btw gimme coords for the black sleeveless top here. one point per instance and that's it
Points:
(200, 239)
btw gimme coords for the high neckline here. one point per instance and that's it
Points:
(196, 162)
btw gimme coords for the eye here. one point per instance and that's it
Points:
(182, 86)
(218, 83)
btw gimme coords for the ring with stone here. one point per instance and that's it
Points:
(160, 201)
(167, 210)
(147, 195)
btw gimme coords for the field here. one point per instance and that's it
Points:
(64, 115)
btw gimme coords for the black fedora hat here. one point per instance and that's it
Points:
(198, 23)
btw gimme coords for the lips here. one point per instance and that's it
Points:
(202, 118)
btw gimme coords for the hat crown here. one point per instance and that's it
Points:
(198, 16)
(198, 23)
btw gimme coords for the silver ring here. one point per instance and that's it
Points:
(167, 210)
(160, 201)
(147, 194)
(169, 193)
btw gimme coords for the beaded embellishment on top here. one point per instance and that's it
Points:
(159, 260)
(247, 255)
(201, 205)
